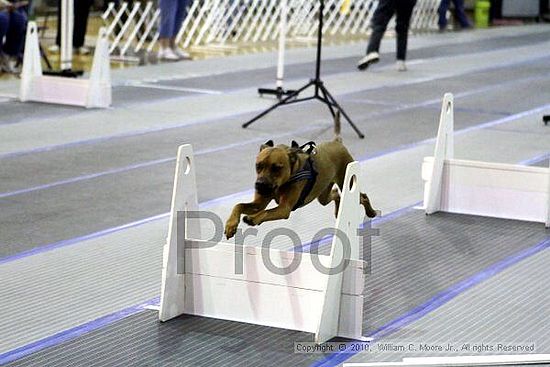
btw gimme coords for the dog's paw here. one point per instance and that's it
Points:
(230, 229)
(251, 220)
(371, 213)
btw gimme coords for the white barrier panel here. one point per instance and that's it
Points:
(207, 283)
(230, 23)
(93, 92)
(482, 188)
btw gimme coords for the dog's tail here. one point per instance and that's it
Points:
(337, 127)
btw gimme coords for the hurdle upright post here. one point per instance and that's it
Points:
(443, 151)
(184, 198)
(347, 222)
(547, 224)
(32, 68)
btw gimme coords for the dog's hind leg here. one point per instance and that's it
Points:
(364, 200)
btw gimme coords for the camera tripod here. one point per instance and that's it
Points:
(321, 93)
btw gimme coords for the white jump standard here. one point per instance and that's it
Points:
(207, 283)
(482, 188)
(89, 93)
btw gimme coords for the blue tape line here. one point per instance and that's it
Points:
(198, 122)
(75, 332)
(229, 146)
(72, 241)
(332, 360)
(229, 197)
(436, 302)
(535, 160)
(149, 163)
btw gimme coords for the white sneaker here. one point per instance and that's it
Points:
(167, 54)
(400, 65)
(182, 54)
(6, 64)
(53, 49)
(82, 50)
(371, 58)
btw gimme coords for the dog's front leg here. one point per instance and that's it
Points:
(279, 212)
(259, 203)
(287, 201)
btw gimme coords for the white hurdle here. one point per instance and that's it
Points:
(207, 284)
(482, 188)
(93, 92)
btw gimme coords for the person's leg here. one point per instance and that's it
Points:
(442, 11)
(168, 10)
(81, 14)
(380, 20)
(179, 18)
(4, 24)
(403, 18)
(16, 33)
(58, 31)
(460, 14)
(181, 13)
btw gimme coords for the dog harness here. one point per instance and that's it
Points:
(307, 172)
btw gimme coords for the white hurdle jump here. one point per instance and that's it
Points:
(482, 188)
(93, 92)
(206, 283)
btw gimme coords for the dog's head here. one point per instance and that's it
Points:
(274, 166)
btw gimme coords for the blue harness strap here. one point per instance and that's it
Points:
(307, 172)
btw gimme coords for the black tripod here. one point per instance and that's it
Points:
(321, 92)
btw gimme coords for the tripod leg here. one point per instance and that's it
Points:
(280, 103)
(327, 101)
(331, 99)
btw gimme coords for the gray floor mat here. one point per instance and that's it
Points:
(266, 76)
(414, 258)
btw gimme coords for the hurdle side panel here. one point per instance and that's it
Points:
(219, 260)
(493, 189)
(260, 303)
(184, 197)
(350, 215)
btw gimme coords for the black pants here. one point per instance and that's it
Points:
(386, 9)
(81, 13)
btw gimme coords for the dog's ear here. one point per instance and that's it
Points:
(292, 157)
(267, 144)
(294, 144)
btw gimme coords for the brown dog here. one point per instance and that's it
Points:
(293, 178)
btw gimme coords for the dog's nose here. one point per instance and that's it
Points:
(263, 187)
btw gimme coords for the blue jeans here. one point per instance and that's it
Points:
(172, 14)
(13, 25)
(459, 13)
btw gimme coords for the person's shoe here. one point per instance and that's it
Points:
(167, 54)
(181, 54)
(6, 65)
(400, 65)
(365, 62)
(82, 50)
(53, 49)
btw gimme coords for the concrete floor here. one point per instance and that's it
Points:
(70, 178)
